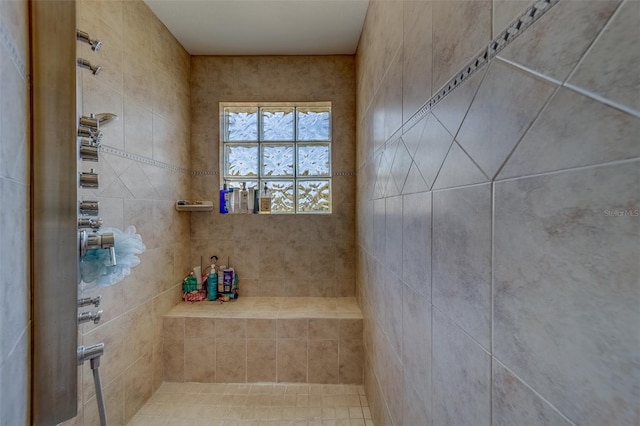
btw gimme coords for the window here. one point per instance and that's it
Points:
(285, 145)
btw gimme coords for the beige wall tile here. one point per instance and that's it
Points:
(200, 327)
(231, 360)
(292, 328)
(231, 328)
(174, 360)
(292, 360)
(323, 361)
(324, 329)
(200, 359)
(261, 328)
(351, 359)
(261, 360)
(137, 386)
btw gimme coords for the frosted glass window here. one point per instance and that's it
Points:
(277, 124)
(314, 196)
(282, 195)
(241, 124)
(313, 160)
(285, 145)
(241, 160)
(314, 124)
(278, 160)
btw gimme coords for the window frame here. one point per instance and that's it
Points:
(261, 143)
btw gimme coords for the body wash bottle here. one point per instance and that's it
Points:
(265, 201)
(244, 199)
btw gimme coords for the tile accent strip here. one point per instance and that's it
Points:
(513, 30)
(141, 159)
(146, 160)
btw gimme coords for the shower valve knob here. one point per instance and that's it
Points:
(89, 179)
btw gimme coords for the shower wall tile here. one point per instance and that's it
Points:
(137, 386)
(416, 242)
(564, 242)
(14, 277)
(114, 402)
(14, 382)
(556, 43)
(323, 365)
(231, 360)
(15, 294)
(417, 60)
(138, 128)
(14, 116)
(433, 145)
(515, 403)
(416, 344)
(112, 363)
(505, 106)
(261, 360)
(553, 144)
(462, 258)
(508, 121)
(608, 67)
(458, 169)
(292, 360)
(461, 376)
(452, 109)
(505, 12)
(452, 48)
(393, 243)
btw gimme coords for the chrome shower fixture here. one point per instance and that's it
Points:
(97, 121)
(87, 301)
(91, 133)
(89, 179)
(94, 241)
(83, 63)
(84, 37)
(90, 208)
(89, 223)
(89, 150)
(90, 316)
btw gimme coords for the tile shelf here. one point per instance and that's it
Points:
(194, 206)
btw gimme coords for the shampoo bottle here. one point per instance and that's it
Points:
(223, 199)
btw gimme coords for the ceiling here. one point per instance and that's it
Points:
(263, 27)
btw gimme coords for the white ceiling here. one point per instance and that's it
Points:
(263, 27)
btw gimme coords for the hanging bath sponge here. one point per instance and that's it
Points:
(96, 268)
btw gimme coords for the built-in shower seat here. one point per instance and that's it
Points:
(265, 339)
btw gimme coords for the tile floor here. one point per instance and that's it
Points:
(230, 404)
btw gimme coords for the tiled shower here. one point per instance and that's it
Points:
(491, 239)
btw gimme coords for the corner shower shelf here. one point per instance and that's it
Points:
(194, 206)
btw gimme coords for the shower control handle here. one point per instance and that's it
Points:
(90, 223)
(90, 352)
(90, 208)
(88, 301)
(95, 241)
(89, 179)
(90, 316)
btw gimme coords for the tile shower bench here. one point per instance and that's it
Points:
(265, 339)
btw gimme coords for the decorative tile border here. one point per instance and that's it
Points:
(156, 163)
(513, 30)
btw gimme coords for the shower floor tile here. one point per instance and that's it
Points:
(255, 404)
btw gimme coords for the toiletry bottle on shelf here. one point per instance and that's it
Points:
(230, 199)
(212, 283)
(244, 199)
(223, 199)
(265, 201)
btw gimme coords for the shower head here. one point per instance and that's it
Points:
(97, 121)
(105, 118)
